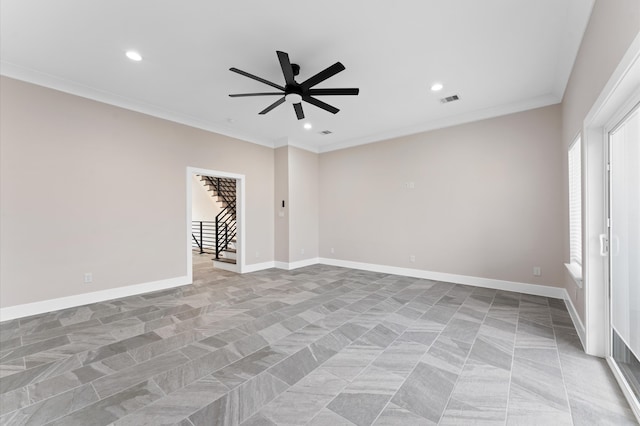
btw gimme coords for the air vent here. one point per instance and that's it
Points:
(450, 99)
(325, 132)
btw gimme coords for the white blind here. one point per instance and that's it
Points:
(575, 204)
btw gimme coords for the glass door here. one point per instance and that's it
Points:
(624, 248)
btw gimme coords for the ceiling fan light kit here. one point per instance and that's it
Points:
(293, 98)
(293, 92)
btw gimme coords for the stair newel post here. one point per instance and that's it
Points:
(201, 240)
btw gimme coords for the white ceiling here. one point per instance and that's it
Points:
(499, 56)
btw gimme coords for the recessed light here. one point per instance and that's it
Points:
(436, 87)
(133, 55)
(307, 126)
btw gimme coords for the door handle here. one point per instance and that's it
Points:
(604, 245)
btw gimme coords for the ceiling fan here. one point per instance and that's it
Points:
(294, 92)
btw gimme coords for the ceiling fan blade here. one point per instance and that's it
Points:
(323, 75)
(287, 69)
(299, 112)
(272, 106)
(241, 95)
(329, 92)
(255, 77)
(320, 104)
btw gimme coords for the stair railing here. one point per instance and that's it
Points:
(225, 223)
(224, 188)
(203, 236)
(225, 231)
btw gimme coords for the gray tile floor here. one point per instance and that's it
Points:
(315, 346)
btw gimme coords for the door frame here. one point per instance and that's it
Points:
(240, 215)
(620, 93)
(616, 120)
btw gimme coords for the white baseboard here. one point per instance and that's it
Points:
(281, 265)
(533, 289)
(575, 318)
(257, 267)
(35, 308)
(299, 264)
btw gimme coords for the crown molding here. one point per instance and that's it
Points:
(483, 114)
(48, 81)
(288, 142)
(56, 83)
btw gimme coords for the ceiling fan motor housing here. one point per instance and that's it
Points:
(293, 88)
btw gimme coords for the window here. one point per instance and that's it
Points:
(575, 206)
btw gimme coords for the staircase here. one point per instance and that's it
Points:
(224, 229)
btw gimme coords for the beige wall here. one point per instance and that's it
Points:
(281, 193)
(487, 200)
(612, 27)
(296, 225)
(304, 199)
(114, 183)
(203, 205)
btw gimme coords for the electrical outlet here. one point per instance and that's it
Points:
(412, 258)
(332, 250)
(257, 254)
(536, 271)
(301, 251)
(88, 277)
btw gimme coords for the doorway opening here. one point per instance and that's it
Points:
(215, 219)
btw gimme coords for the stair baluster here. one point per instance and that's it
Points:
(225, 223)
